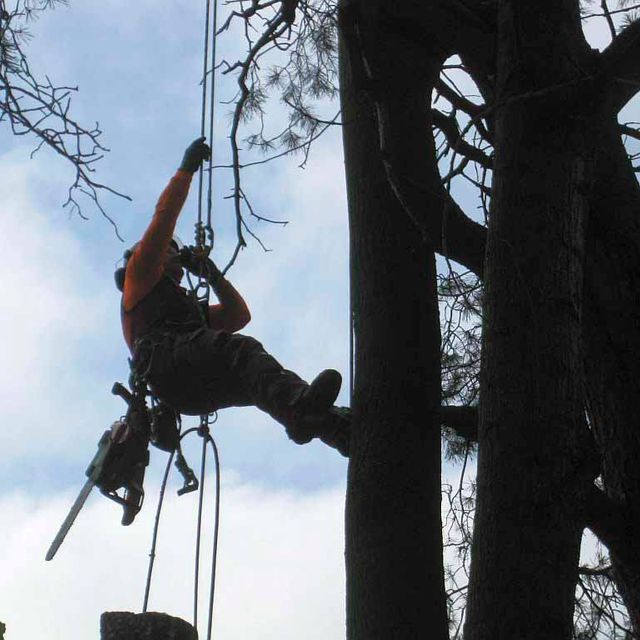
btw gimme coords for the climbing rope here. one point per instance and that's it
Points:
(204, 240)
(216, 529)
(154, 540)
(204, 234)
(204, 243)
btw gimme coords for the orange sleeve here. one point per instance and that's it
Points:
(232, 314)
(146, 265)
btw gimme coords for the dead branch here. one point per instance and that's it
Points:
(42, 110)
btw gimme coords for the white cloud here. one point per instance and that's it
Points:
(49, 308)
(280, 571)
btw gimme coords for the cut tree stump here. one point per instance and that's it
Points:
(123, 625)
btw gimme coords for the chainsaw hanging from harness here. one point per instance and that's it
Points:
(118, 467)
(123, 450)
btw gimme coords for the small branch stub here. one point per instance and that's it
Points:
(123, 625)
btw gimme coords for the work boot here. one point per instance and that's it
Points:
(305, 418)
(336, 429)
(320, 395)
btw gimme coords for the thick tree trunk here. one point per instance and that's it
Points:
(395, 585)
(532, 473)
(612, 339)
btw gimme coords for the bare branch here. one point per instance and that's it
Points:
(632, 132)
(268, 28)
(37, 108)
(607, 14)
(595, 571)
(611, 12)
(449, 127)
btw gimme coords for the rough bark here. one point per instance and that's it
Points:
(612, 344)
(542, 62)
(395, 584)
(532, 478)
(123, 625)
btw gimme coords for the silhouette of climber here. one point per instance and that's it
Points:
(197, 368)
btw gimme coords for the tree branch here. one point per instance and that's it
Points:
(436, 214)
(620, 63)
(608, 522)
(595, 571)
(607, 15)
(39, 108)
(449, 127)
(626, 130)
(458, 101)
(408, 153)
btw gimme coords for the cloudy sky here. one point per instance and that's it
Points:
(281, 552)
(138, 67)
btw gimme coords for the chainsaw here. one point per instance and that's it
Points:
(118, 467)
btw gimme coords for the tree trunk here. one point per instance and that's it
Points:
(395, 584)
(123, 625)
(612, 339)
(533, 473)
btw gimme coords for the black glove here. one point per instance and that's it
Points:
(199, 264)
(196, 152)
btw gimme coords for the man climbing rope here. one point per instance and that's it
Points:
(198, 366)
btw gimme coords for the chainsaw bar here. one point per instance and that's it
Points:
(94, 474)
(70, 519)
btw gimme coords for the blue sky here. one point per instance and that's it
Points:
(146, 97)
(138, 67)
(281, 570)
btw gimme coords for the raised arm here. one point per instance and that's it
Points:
(146, 264)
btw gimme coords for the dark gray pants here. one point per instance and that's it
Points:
(205, 370)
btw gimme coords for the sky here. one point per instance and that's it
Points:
(281, 570)
(137, 66)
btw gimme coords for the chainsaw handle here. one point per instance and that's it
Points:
(119, 389)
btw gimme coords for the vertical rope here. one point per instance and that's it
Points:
(154, 540)
(212, 111)
(204, 240)
(204, 103)
(203, 464)
(216, 528)
(201, 242)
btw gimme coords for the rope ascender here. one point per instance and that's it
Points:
(204, 240)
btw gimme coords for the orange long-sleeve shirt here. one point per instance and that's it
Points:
(146, 265)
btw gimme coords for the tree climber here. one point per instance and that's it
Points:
(197, 368)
